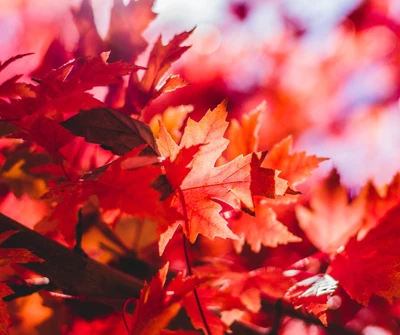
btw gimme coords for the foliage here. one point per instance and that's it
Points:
(221, 195)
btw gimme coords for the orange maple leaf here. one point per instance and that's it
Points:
(198, 195)
(10, 256)
(371, 266)
(332, 218)
(141, 92)
(378, 201)
(262, 229)
(243, 136)
(295, 168)
(157, 304)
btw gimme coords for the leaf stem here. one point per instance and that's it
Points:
(196, 295)
(189, 267)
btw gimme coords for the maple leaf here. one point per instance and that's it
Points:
(124, 39)
(214, 323)
(157, 304)
(112, 129)
(61, 92)
(378, 201)
(12, 90)
(4, 316)
(332, 218)
(172, 119)
(313, 294)
(261, 229)
(141, 92)
(237, 287)
(243, 136)
(197, 196)
(47, 133)
(295, 168)
(371, 266)
(264, 228)
(10, 256)
(20, 182)
(118, 187)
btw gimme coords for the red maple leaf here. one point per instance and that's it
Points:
(371, 266)
(378, 201)
(123, 186)
(295, 167)
(61, 92)
(4, 316)
(332, 218)
(141, 92)
(262, 229)
(244, 136)
(236, 287)
(197, 195)
(10, 256)
(157, 304)
(214, 323)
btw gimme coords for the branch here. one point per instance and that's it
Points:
(70, 272)
(83, 277)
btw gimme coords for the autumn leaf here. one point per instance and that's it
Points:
(172, 119)
(20, 182)
(118, 187)
(237, 287)
(214, 323)
(332, 218)
(261, 229)
(295, 167)
(158, 304)
(12, 89)
(61, 92)
(124, 37)
(243, 136)
(313, 293)
(371, 266)
(197, 198)
(112, 129)
(47, 133)
(378, 201)
(127, 23)
(10, 256)
(4, 316)
(141, 92)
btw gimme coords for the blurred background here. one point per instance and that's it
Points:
(328, 70)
